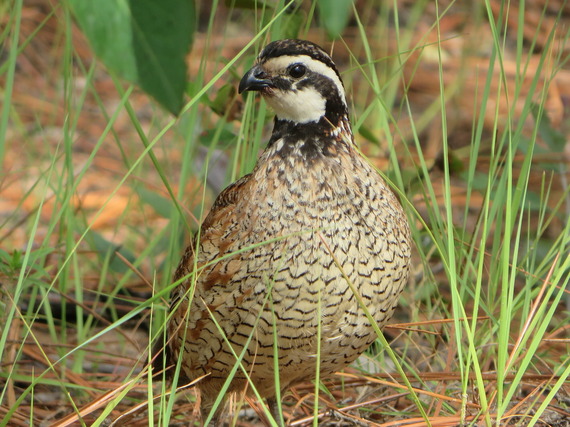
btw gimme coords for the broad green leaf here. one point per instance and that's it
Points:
(162, 35)
(211, 136)
(160, 204)
(224, 99)
(334, 15)
(368, 135)
(292, 23)
(143, 41)
(553, 138)
(106, 248)
(246, 4)
(106, 24)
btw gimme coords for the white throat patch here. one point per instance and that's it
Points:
(301, 106)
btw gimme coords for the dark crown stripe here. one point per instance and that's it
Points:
(295, 47)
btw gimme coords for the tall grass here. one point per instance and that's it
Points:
(484, 314)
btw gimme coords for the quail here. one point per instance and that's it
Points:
(312, 243)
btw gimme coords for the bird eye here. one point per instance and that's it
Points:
(297, 70)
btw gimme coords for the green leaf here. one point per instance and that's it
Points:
(211, 137)
(162, 36)
(106, 248)
(554, 139)
(143, 41)
(368, 135)
(246, 4)
(224, 98)
(334, 15)
(292, 23)
(161, 205)
(106, 24)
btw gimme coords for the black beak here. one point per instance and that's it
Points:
(254, 79)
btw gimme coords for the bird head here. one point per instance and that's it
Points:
(299, 81)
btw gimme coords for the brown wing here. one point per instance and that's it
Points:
(221, 209)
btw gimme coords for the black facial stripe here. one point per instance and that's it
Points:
(282, 83)
(335, 107)
(322, 84)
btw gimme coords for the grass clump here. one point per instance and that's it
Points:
(461, 106)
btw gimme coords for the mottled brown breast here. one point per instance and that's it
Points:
(280, 248)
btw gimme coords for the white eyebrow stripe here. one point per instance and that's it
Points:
(282, 62)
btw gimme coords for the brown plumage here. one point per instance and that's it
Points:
(283, 247)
